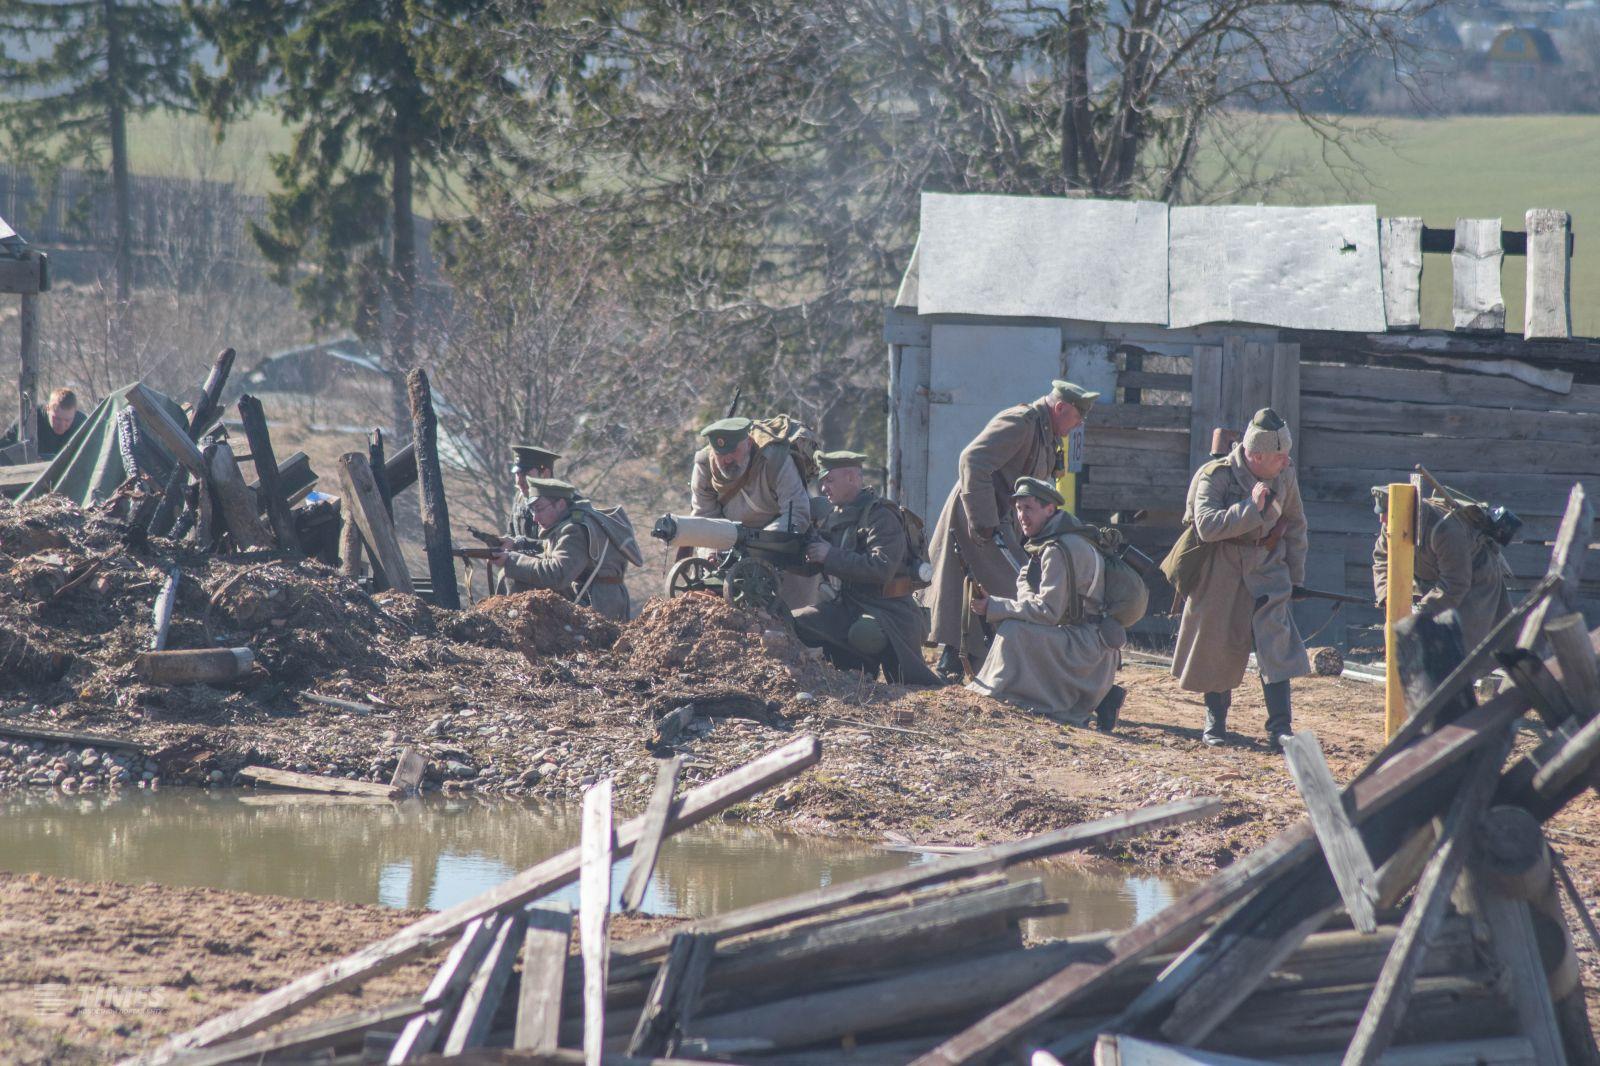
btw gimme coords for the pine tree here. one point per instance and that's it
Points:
(387, 99)
(72, 72)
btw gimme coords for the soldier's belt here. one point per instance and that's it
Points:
(608, 581)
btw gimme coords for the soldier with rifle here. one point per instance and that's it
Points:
(975, 530)
(870, 623)
(581, 554)
(1238, 563)
(522, 532)
(1458, 563)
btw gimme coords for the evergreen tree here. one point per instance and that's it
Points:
(387, 98)
(72, 72)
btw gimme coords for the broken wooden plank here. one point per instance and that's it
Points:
(482, 997)
(1475, 268)
(1400, 255)
(422, 1031)
(1580, 676)
(408, 771)
(1381, 1019)
(1566, 558)
(537, 881)
(333, 1032)
(660, 1014)
(237, 501)
(158, 519)
(332, 786)
(171, 436)
(1516, 946)
(1123, 1050)
(23, 731)
(194, 666)
(360, 500)
(1547, 311)
(162, 614)
(430, 491)
(594, 915)
(655, 830)
(1347, 857)
(544, 968)
(276, 503)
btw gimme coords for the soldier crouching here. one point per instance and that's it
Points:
(872, 624)
(1246, 514)
(1054, 650)
(575, 556)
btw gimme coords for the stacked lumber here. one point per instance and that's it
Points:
(1414, 916)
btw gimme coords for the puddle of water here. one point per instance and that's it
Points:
(435, 852)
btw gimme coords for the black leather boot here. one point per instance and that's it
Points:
(949, 664)
(1217, 704)
(1280, 719)
(1105, 715)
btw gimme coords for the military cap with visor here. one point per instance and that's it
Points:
(531, 457)
(1039, 489)
(1076, 395)
(839, 460)
(550, 488)
(726, 434)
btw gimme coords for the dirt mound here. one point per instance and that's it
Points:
(53, 523)
(702, 637)
(542, 623)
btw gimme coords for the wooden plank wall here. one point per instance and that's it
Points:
(1356, 426)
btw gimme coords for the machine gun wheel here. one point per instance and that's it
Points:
(752, 585)
(688, 575)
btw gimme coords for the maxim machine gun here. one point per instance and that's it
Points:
(744, 568)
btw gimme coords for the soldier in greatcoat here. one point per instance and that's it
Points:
(1055, 649)
(581, 553)
(522, 532)
(1021, 441)
(1457, 565)
(756, 487)
(1246, 509)
(871, 623)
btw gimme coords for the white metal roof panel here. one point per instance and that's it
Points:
(1045, 257)
(1294, 267)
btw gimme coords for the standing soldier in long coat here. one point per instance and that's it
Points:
(872, 623)
(756, 487)
(1457, 565)
(1247, 513)
(1055, 650)
(1021, 441)
(578, 555)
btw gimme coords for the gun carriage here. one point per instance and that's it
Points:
(745, 564)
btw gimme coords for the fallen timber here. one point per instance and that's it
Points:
(1415, 916)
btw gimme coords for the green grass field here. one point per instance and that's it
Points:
(1441, 169)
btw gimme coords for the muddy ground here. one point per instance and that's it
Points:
(529, 696)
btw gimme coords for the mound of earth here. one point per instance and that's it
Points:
(541, 624)
(702, 638)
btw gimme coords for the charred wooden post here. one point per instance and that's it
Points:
(350, 544)
(380, 468)
(28, 376)
(163, 609)
(237, 502)
(254, 418)
(160, 520)
(400, 469)
(430, 486)
(198, 666)
(359, 496)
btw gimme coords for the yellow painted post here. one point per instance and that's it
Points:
(1067, 482)
(1402, 545)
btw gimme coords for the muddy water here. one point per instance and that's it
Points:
(435, 852)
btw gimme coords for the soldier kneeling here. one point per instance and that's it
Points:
(1054, 649)
(872, 623)
(582, 552)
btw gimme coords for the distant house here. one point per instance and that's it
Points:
(1521, 53)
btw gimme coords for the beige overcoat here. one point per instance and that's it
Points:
(773, 493)
(1037, 661)
(1018, 442)
(1242, 601)
(568, 553)
(1455, 566)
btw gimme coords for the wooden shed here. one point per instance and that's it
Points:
(1191, 318)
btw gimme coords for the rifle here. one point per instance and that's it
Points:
(1303, 593)
(491, 539)
(478, 553)
(733, 404)
(968, 586)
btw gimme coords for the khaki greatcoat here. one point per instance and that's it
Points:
(1455, 566)
(868, 550)
(773, 492)
(568, 552)
(1242, 601)
(1049, 653)
(1018, 442)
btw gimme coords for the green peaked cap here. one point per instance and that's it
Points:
(1039, 489)
(838, 460)
(725, 434)
(550, 488)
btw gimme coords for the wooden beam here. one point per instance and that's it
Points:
(659, 1018)
(334, 1032)
(22, 731)
(1548, 309)
(1384, 1011)
(159, 519)
(194, 666)
(400, 469)
(1123, 1050)
(270, 495)
(162, 613)
(333, 786)
(422, 1031)
(1400, 254)
(1580, 673)
(174, 438)
(430, 490)
(359, 498)
(544, 967)
(238, 502)
(27, 376)
(1347, 857)
(1516, 947)
(23, 277)
(1477, 305)
(594, 915)
(655, 831)
(482, 997)
(408, 771)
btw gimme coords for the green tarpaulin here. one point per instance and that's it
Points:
(91, 467)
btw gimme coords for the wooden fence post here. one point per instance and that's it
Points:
(1475, 268)
(1548, 309)
(359, 498)
(254, 418)
(430, 489)
(1401, 531)
(1400, 252)
(28, 376)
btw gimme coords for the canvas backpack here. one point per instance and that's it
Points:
(1126, 597)
(802, 440)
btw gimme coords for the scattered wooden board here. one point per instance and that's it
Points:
(333, 786)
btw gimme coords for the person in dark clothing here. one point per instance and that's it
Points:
(55, 422)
